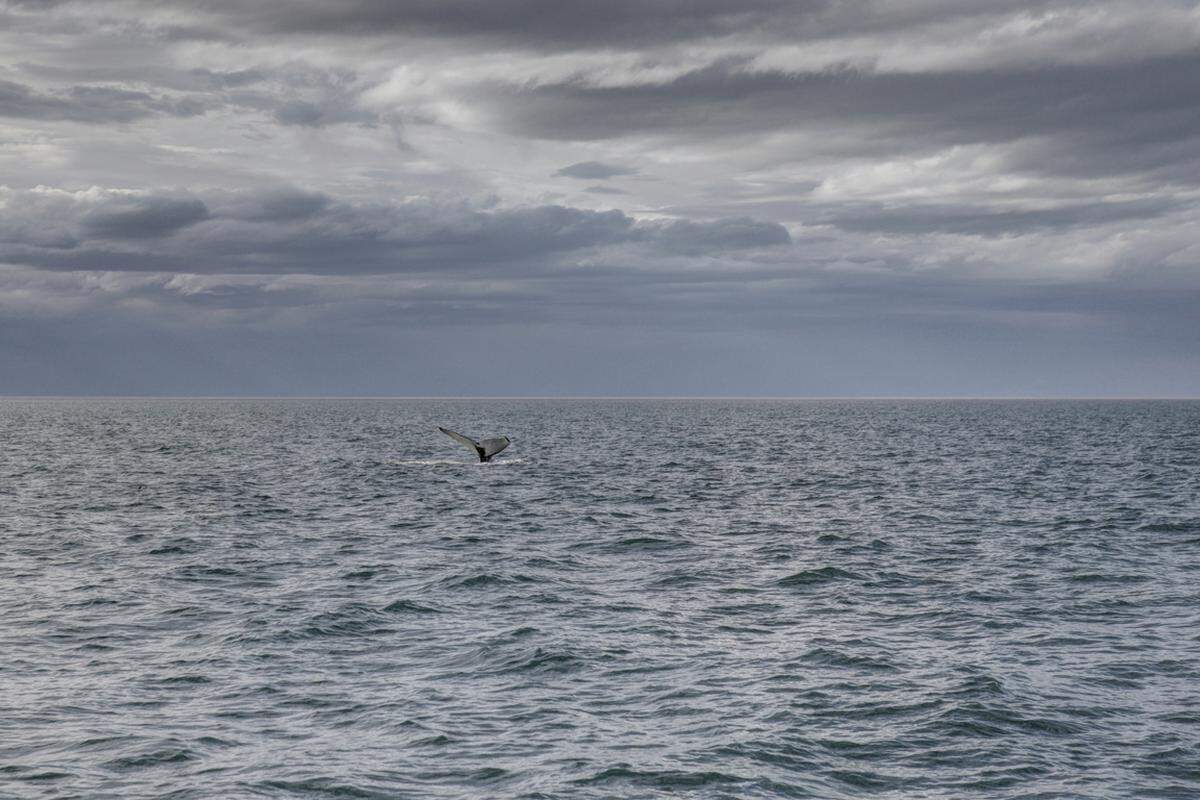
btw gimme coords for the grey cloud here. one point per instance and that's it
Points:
(254, 100)
(991, 221)
(32, 235)
(37, 4)
(144, 218)
(544, 23)
(149, 73)
(312, 115)
(1107, 107)
(1164, 148)
(273, 205)
(298, 112)
(230, 78)
(328, 98)
(17, 100)
(551, 26)
(604, 190)
(693, 238)
(555, 26)
(96, 104)
(292, 231)
(594, 170)
(781, 296)
(548, 26)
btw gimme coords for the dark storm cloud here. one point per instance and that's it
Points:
(273, 205)
(143, 218)
(554, 26)
(544, 23)
(291, 231)
(1108, 106)
(594, 170)
(1163, 147)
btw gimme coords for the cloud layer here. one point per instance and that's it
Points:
(827, 197)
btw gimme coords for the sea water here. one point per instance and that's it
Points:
(639, 598)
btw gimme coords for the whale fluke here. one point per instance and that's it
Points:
(485, 449)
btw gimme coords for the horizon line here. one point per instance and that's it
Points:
(1131, 398)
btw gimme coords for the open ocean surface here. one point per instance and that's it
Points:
(638, 599)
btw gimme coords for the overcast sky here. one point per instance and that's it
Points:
(628, 197)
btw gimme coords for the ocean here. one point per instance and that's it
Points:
(637, 599)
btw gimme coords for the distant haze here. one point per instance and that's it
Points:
(633, 197)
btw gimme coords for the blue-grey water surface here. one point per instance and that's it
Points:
(328, 598)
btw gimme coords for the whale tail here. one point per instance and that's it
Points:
(485, 449)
